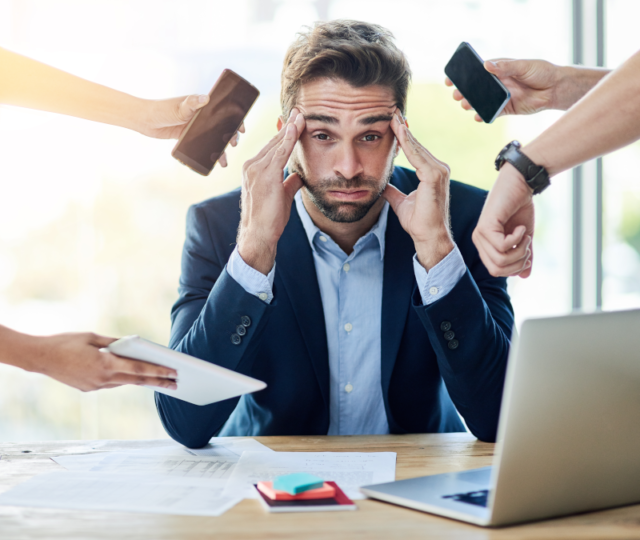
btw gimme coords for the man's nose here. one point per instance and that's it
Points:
(347, 163)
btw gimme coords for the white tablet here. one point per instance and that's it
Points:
(199, 382)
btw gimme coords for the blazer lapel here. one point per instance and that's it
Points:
(296, 272)
(397, 288)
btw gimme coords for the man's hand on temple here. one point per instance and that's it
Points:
(424, 213)
(266, 199)
(504, 232)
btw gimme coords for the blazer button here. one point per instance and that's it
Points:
(447, 335)
(241, 330)
(246, 321)
(236, 339)
(453, 344)
(445, 326)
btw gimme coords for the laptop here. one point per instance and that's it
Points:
(569, 432)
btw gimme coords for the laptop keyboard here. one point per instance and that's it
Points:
(479, 498)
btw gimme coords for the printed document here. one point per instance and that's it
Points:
(349, 470)
(216, 460)
(122, 492)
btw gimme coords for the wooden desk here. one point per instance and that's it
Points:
(417, 455)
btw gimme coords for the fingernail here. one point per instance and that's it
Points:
(202, 99)
(528, 264)
(172, 386)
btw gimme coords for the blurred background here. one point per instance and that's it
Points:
(92, 217)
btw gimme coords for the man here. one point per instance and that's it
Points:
(360, 318)
(603, 116)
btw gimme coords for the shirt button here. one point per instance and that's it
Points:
(246, 321)
(346, 267)
(322, 238)
(453, 344)
(236, 339)
(449, 335)
(241, 330)
(433, 291)
(445, 326)
(348, 327)
(263, 296)
(348, 388)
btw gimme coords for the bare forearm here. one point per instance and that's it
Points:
(32, 84)
(573, 83)
(606, 119)
(20, 350)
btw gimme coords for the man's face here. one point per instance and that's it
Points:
(345, 155)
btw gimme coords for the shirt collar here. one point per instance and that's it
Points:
(310, 228)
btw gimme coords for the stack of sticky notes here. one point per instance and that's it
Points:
(302, 492)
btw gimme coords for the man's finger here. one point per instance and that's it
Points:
(447, 81)
(394, 196)
(278, 137)
(280, 154)
(507, 260)
(413, 154)
(241, 128)
(222, 160)
(457, 95)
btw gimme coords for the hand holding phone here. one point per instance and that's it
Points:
(205, 138)
(483, 90)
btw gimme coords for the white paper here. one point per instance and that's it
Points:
(183, 466)
(229, 446)
(215, 460)
(349, 470)
(124, 493)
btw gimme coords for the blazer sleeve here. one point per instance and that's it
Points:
(210, 307)
(470, 331)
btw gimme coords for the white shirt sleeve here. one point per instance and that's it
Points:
(250, 279)
(441, 279)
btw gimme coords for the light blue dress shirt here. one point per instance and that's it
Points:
(351, 292)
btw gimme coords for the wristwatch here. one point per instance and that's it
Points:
(536, 176)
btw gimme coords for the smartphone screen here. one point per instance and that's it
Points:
(483, 90)
(203, 141)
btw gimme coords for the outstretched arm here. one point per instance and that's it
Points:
(76, 360)
(28, 83)
(538, 85)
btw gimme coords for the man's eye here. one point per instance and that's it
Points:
(371, 138)
(322, 136)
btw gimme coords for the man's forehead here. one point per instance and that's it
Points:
(336, 98)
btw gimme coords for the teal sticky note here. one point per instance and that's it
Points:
(297, 483)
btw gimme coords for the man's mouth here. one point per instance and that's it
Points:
(349, 195)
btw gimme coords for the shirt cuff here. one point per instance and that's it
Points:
(250, 279)
(441, 279)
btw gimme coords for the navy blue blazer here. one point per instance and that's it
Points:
(286, 346)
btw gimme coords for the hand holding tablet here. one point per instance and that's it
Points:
(199, 382)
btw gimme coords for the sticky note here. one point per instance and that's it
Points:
(297, 483)
(327, 491)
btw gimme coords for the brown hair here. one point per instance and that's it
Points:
(360, 53)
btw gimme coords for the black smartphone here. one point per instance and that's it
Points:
(483, 90)
(205, 138)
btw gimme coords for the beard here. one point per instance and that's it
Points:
(342, 212)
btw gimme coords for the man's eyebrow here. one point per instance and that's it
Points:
(367, 121)
(321, 118)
